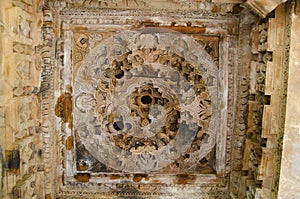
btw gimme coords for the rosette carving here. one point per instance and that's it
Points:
(141, 103)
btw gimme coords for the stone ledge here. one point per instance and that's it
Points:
(263, 7)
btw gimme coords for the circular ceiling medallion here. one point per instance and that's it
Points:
(143, 96)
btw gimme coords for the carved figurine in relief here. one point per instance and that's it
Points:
(260, 77)
(263, 37)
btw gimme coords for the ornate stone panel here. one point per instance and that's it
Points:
(145, 99)
(147, 105)
(214, 6)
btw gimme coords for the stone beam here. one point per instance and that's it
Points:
(290, 171)
(263, 7)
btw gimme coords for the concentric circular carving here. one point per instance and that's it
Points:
(142, 97)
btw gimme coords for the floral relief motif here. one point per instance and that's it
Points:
(142, 103)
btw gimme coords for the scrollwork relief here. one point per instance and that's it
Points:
(146, 102)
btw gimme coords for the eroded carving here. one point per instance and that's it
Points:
(24, 27)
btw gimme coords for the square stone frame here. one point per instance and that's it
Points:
(218, 25)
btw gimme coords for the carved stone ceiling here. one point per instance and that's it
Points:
(140, 101)
(156, 99)
(145, 98)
